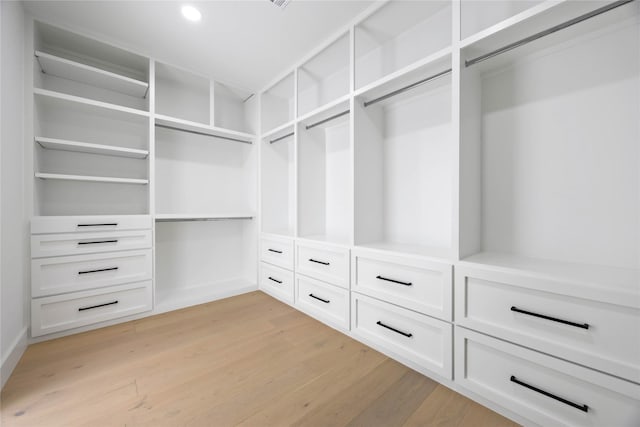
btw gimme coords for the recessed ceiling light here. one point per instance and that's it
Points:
(191, 13)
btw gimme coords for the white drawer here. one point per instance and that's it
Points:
(546, 390)
(328, 263)
(57, 275)
(327, 303)
(72, 224)
(46, 245)
(278, 282)
(420, 341)
(63, 312)
(419, 284)
(277, 251)
(599, 335)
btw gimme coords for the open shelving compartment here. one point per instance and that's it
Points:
(278, 181)
(550, 172)
(324, 176)
(478, 15)
(182, 95)
(205, 196)
(278, 104)
(233, 108)
(405, 157)
(71, 64)
(398, 35)
(325, 77)
(89, 158)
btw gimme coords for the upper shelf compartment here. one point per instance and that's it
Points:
(400, 34)
(67, 63)
(278, 104)
(478, 15)
(325, 77)
(182, 95)
(234, 108)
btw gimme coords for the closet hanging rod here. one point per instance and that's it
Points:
(248, 98)
(408, 87)
(280, 138)
(546, 32)
(231, 218)
(202, 133)
(328, 119)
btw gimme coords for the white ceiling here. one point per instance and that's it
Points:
(242, 42)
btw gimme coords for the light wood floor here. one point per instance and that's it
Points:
(248, 360)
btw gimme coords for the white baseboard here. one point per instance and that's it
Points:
(12, 356)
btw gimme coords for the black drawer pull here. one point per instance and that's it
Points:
(583, 408)
(97, 242)
(106, 224)
(391, 328)
(326, 301)
(98, 306)
(553, 319)
(273, 250)
(318, 262)
(394, 281)
(97, 271)
(275, 280)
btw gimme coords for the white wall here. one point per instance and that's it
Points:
(13, 219)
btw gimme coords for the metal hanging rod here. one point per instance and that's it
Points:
(406, 88)
(281, 137)
(328, 119)
(202, 133)
(248, 98)
(544, 33)
(203, 219)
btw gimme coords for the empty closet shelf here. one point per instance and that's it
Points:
(86, 147)
(202, 129)
(89, 178)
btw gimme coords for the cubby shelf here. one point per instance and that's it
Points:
(62, 97)
(71, 70)
(204, 216)
(202, 129)
(89, 178)
(85, 147)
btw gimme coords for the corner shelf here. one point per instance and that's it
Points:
(89, 178)
(85, 147)
(204, 217)
(71, 70)
(203, 129)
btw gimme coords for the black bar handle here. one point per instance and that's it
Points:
(326, 301)
(97, 242)
(553, 319)
(106, 224)
(394, 281)
(97, 271)
(583, 408)
(318, 262)
(391, 328)
(98, 306)
(273, 250)
(275, 280)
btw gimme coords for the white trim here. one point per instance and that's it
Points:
(11, 358)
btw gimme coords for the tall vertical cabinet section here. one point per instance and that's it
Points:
(457, 184)
(144, 185)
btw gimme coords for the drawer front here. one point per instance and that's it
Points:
(327, 303)
(546, 390)
(57, 275)
(63, 312)
(88, 223)
(330, 264)
(45, 245)
(414, 339)
(277, 251)
(420, 285)
(599, 335)
(277, 282)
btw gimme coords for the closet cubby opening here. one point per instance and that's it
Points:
(181, 94)
(478, 15)
(400, 34)
(278, 104)
(324, 174)
(404, 155)
(233, 108)
(278, 171)
(325, 77)
(71, 64)
(550, 157)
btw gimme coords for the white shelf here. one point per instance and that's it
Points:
(203, 129)
(404, 249)
(71, 70)
(88, 178)
(203, 217)
(88, 102)
(85, 147)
